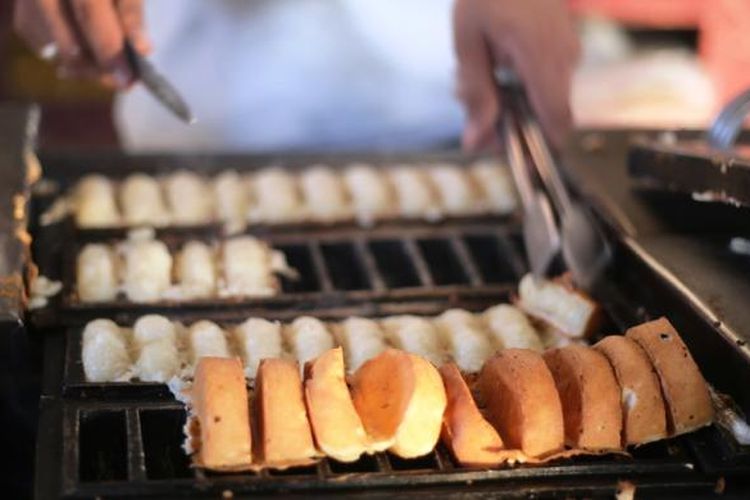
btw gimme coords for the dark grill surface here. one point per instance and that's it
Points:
(143, 453)
(124, 439)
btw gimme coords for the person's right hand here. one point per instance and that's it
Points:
(534, 37)
(84, 37)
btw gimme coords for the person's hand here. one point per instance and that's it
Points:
(537, 39)
(84, 37)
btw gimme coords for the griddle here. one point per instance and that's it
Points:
(124, 439)
(340, 265)
(693, 169)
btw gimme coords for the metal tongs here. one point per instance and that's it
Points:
(585, 249)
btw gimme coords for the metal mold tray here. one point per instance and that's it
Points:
(144, 458)
(64, 169)
(337, 268)
(124, 439)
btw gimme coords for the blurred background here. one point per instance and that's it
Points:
(657, 63)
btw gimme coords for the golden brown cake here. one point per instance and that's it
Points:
(644, 414)
(284, 434)
(471, 439)
(219, 399)
(335, 423)
(590, 397)
(683, 387)
(560, 305)
(401, 399)
(522, 402)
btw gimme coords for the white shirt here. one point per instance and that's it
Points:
(298, 74)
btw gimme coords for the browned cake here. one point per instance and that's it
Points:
(644, 414)
(401, 399)
(471, 439)
(219, 399)
(590, 397)
(522, 402)
(336, 425)
(559, 305)
(684, 389)
(284, 435)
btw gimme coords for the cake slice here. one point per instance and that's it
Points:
(456, 190)
(307, 338)
(206, 339)
(105, 352)
(496, 184)
(685, 391)
(142, 201)
(590, 397)
(462, 336)
(155, 345)
(277, 197)
(414, 334)
(415, 195)
(324, 194)
(557, 303)
(509, 328)
(96, 273)
(189, 198)
(255, 339)
(94, 202)
(361, 339)
(220, 404)
(284, 435)
(644, 415)
(370, 192)
(335, 423)
(400, 398)
(470, 438)
(522, 402)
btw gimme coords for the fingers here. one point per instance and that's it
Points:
(61, 32)
(544, 50)
(85, 37)
(41, 23)
(99, 27)
(548, 89)
(536, 37)
(131, 19)
(476, 84)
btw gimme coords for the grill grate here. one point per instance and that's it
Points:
(422, 272)
(124, 439)
(99, 418)
(339, 269)
(127, 446)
